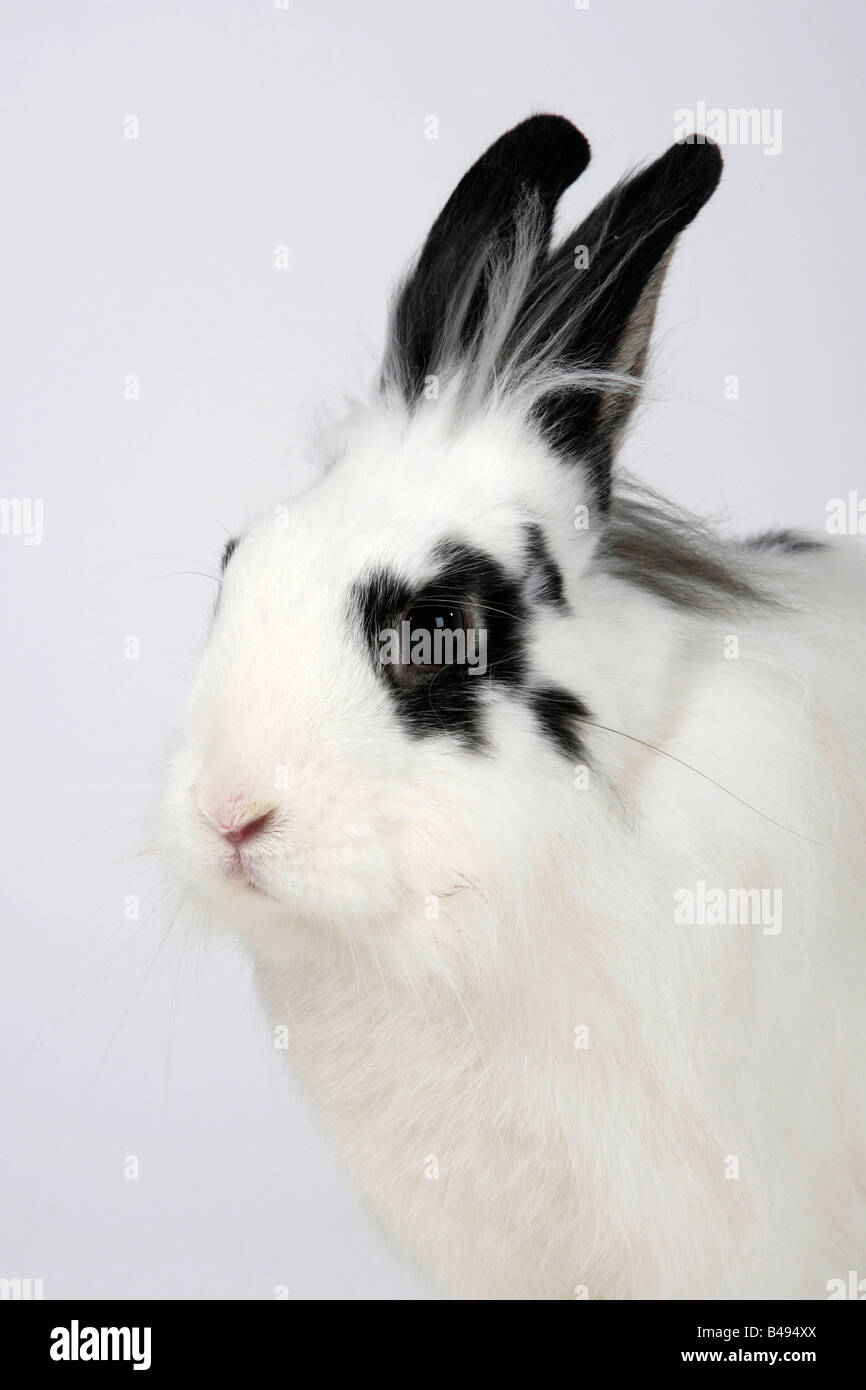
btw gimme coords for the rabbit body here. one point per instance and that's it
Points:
(610, 1103)
(567, 939)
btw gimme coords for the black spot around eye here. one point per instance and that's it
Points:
(451, 698)
(229, 549)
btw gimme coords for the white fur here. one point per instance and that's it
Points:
(449, 1044)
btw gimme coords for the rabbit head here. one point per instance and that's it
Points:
(394, 694)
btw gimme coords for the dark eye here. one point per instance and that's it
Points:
(432, 636)
(435, 617)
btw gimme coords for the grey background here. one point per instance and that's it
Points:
(154, 257)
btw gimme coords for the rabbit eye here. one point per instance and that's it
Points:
(430, 637)
(435, 617)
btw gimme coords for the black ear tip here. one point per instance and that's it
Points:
(549, 142)
(701, 156)
(556, 131)
(690, 171)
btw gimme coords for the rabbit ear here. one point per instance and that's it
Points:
(591, 308)
(441, 307)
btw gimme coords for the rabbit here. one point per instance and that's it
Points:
(540, 806)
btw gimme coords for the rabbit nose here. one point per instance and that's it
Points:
(237, 820)
(238, 834)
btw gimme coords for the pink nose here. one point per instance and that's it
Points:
(238, 834)
(236, 818)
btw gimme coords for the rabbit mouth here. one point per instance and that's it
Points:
(240, 873)
(247, 881)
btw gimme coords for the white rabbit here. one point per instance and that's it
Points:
(565, 919)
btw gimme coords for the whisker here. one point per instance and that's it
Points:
(663, 753)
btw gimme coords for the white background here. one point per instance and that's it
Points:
(155, 257)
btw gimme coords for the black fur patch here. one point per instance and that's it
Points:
(589, 313)
(229, 549)
(539, 158)
(544, 574)
(559, 714)
(791, 541)
(452, 699)
(573, 312)
(657, 547)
